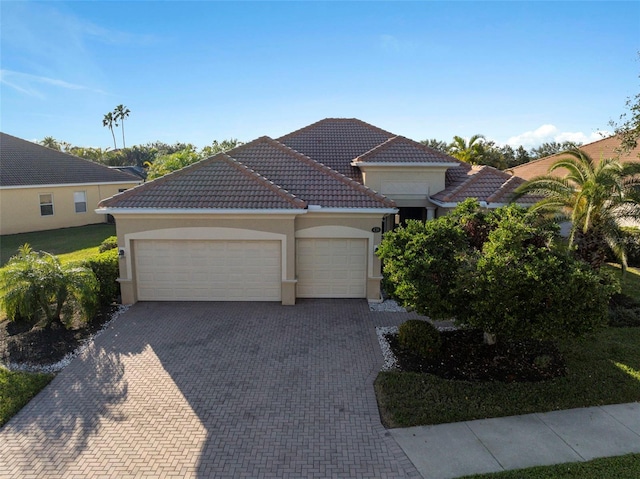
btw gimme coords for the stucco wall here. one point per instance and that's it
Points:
(20, 207)
(135, 227)
(408, 186)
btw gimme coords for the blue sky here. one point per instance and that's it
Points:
(517, 72)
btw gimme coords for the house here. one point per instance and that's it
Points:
(295, 217)
(43, 189)
(605, 148)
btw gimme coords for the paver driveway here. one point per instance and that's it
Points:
(214, 390)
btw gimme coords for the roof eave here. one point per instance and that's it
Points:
(402, 164)
(59, 185)
(200, 211)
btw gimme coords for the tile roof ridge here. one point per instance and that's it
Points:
(264, 181)
(400, 138)
(324, 120)
(157, 181)
(500, 192)
(468, 181)
(330, 171)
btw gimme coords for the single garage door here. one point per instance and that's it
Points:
(331, 268)
(190, 270)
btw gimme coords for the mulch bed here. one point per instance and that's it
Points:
(24, 342)
(464, 356)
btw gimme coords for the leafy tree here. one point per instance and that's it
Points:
(552, 148)
(50, 142)
(36, 284)
(168, 163)
(595, 197)
(497, 270)
(120, 113)
(217, 147)
(441, 146)
(467, 151)
(110, 121)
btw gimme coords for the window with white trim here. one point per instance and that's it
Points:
(80, 200)
(46, 204)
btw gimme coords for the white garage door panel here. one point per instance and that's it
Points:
(331, 268)
(190, 270)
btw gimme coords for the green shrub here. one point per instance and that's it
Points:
(106, 268)
(420, 337)
(110, 243)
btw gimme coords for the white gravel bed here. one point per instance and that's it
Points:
(390, 361)
(388, 305)
(64, 362)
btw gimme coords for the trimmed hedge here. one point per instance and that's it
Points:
(107, 270)
(420, 337)
(110, 243)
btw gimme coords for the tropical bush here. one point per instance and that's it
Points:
(105, 267)
(420, 337)
(109, 243)
(500, 271)
(35, 285)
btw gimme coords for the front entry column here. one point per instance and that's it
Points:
(431, 213)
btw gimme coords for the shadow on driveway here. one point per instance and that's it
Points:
(215, 390)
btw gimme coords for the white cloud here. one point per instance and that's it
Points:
(28, 84)
(549, 133)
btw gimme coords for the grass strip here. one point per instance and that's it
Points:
(621, 467)
(602, 370)
(16, 389)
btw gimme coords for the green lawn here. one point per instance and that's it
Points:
(16, 389)
(70, 244)
(630, 283)
(604, 369)
(621, 467)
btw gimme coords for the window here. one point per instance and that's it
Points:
(46, 205)
(80, 199)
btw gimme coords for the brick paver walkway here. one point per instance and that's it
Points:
(214, 390)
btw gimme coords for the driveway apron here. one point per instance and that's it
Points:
(214, 390)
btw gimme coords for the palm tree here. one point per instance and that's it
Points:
(35, 284)
(596, 197)
(469, 152)
(50, 142)
(109, 120)
(120, 113)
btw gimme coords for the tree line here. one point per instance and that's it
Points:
(477, 150)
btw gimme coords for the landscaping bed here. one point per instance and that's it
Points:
(464, 356)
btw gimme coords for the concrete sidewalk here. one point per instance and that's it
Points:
(491, 445)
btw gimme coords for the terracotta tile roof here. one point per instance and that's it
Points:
(286, 179)
(597, 150)
(217, 182)
(335, 142)
(399, 149)
(24, 163)
(485, 183)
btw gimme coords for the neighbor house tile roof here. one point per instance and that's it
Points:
(484, 183)
(23, 163)
(605, 148)
(399, 149)
(262, 174)
(335, 142)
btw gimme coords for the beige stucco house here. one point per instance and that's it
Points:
(44, 189)
(296, 217)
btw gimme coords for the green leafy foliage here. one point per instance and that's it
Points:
(109, 243)
(500, 271)
(105, 267)
(175, 161)
(35, 284)
(420, 337)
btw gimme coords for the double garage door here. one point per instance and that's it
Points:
(204, 270)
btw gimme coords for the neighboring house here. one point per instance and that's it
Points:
(43, 189)
(605, 148)
(296, 217)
